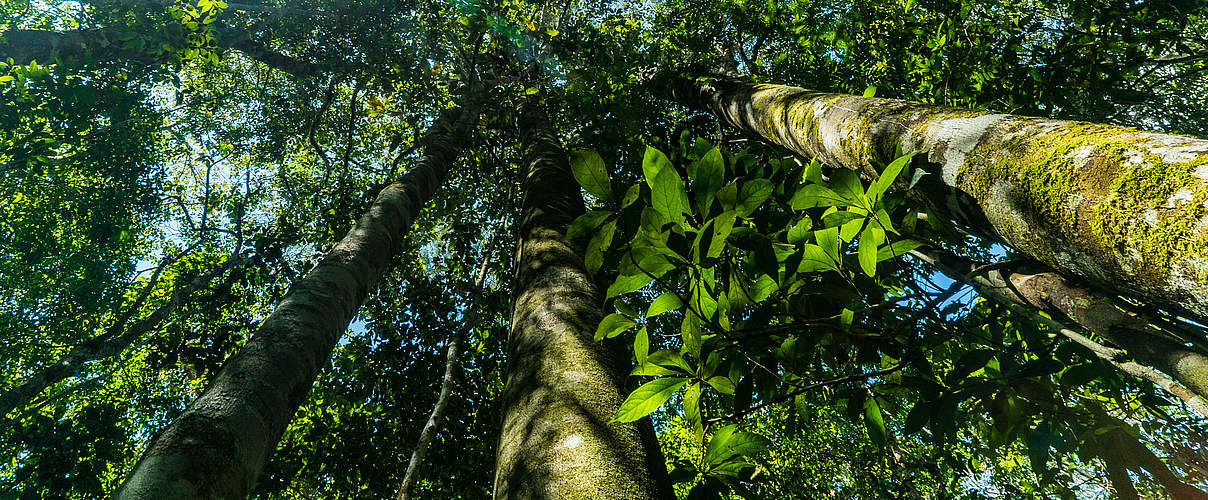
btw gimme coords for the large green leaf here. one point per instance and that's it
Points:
(666, 302)
(668, 197)
(888, 176)
(612, 325)
(710, 176)
(588, 169)
(654, 162)
(729, 442)
(594, 256)
(753, 194)
(649, 397)
(874, 422)
(870, 240)
(815, 195)
(586, 223)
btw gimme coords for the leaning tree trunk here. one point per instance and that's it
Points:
(563, 388)
(1120, 207)
(1049, 292)
(105, 44)
(218, 446)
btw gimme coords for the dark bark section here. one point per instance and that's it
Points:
(1053, 294)
(25, 46)
(116, 339)
(563, 388)
(1124, 209)
(218, 446)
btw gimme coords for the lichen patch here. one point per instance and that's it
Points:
(960, 136)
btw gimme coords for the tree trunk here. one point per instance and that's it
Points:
(563, 388)
(1120, 207)
(218, 446)
(1052, 294)
(104, 44)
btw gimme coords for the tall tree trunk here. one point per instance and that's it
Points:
(1120, 207)
(563, 388)
(218, 446)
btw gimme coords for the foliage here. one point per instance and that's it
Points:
(781, 342)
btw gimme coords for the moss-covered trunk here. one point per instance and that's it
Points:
(218, 446)
(1121, 207)
(562, 387)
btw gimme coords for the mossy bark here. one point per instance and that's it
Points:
(218, 446)
(562, 387)
(1120, 207)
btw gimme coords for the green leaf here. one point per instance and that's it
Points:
(670, 359)
(626, 284)
(531, 91)
(613, 325)
(828, 239)
(836, 219)
(815, 195)
(631, 195)
(870, 91)
(668, 197)
(649, 397)
(653, 162)
(753, 194)
(870, 239)
(710, 176)
(666, 302)
(918, 416)
(813, 172)
(800, 232)
(847, 184)
(815, 259)
(729, 442)
(722, 384)
(692, 411)
(588, 169)
(888, 176)
(721, 228)
(896, 249)
(594, 256)
(874, 422)
(968, 363)
(641, 346)
(586, 223)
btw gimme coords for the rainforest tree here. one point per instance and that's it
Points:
(603, 250)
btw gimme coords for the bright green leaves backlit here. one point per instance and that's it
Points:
(712, 251)
(588, 169)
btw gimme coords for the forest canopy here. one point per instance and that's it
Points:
(661, 249)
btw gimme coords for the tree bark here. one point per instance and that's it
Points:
(218, 446)
(1052, 294)
(563, 388)
(104, 44)
(1122, 208)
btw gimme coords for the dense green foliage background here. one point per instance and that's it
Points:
(800, 355)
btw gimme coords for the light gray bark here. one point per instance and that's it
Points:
(563, 388)
(218, 446)
(1122, 208)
